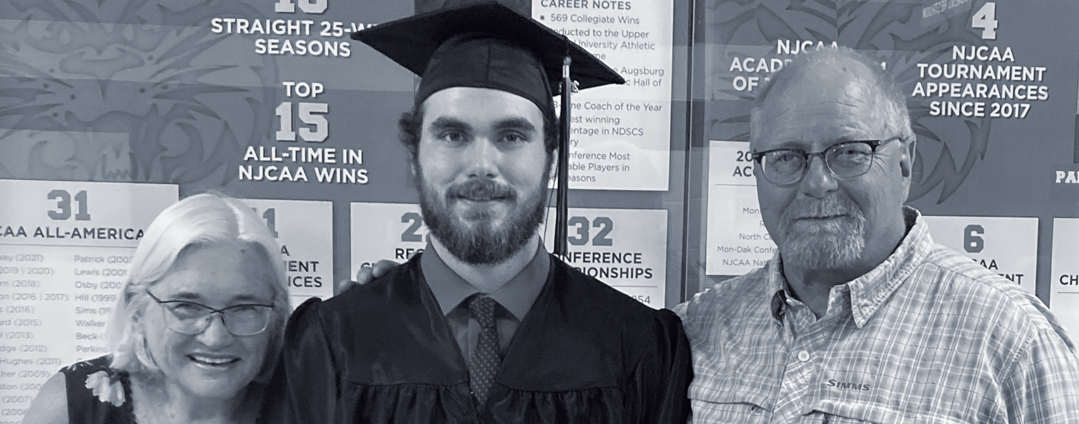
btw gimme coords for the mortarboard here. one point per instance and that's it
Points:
(488, 45)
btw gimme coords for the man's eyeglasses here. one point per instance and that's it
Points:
(192, 318)
(848, 159)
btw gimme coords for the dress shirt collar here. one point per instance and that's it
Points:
(517, 295)
(868, 292)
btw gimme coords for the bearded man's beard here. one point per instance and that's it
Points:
(831, 244)
(475, 238)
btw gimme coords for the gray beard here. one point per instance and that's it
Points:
(829, 245)
(482, 243)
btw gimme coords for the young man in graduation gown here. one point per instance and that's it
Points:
(484, 325)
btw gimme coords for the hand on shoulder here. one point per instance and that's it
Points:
(365, 275)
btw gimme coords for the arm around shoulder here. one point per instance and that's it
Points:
(50, 404)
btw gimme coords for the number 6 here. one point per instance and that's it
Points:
(971, 242)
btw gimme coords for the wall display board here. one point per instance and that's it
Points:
(621, 135)
(250, 98)
(245, 96)
(256, 99)
(65, 247)
(990, 97)
(304, 229)
(1005, 245)
(623, 248)
(737, 241)
(1064, 278)
(398, 235)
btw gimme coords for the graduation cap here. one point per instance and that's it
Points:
(488, 45)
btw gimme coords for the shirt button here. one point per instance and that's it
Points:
(803, 356)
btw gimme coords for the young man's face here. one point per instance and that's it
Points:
(483, 171)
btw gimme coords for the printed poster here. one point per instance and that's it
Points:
(990, 93)
(620, 137)
(65, 248)
(1064, 278)
(304, 229)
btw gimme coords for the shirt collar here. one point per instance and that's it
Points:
(868, 292)
(517, 295)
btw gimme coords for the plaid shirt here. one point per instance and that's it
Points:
(928, 336)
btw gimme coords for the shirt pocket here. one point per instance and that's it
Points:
(867, 412)
(728, 389)
(857, 412)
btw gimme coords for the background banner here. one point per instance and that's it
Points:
(112, 110)
(990, 96)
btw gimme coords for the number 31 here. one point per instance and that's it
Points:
(63, 205)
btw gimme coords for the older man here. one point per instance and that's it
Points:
(483, 326)
(860, 316)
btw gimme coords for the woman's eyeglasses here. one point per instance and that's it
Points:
(191, 318)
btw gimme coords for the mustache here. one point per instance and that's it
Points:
(480, 190)
(828, 207)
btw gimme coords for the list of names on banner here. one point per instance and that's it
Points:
(65, 248)
(737, 241)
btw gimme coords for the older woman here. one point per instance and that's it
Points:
(204, 307)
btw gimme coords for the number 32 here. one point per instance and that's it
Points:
(582, 225)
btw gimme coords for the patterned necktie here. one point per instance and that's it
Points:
(484, 362)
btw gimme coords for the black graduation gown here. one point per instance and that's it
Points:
(383, 353)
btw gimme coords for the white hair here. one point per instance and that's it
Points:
(199, 220)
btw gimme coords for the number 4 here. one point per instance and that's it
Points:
(986, 19)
